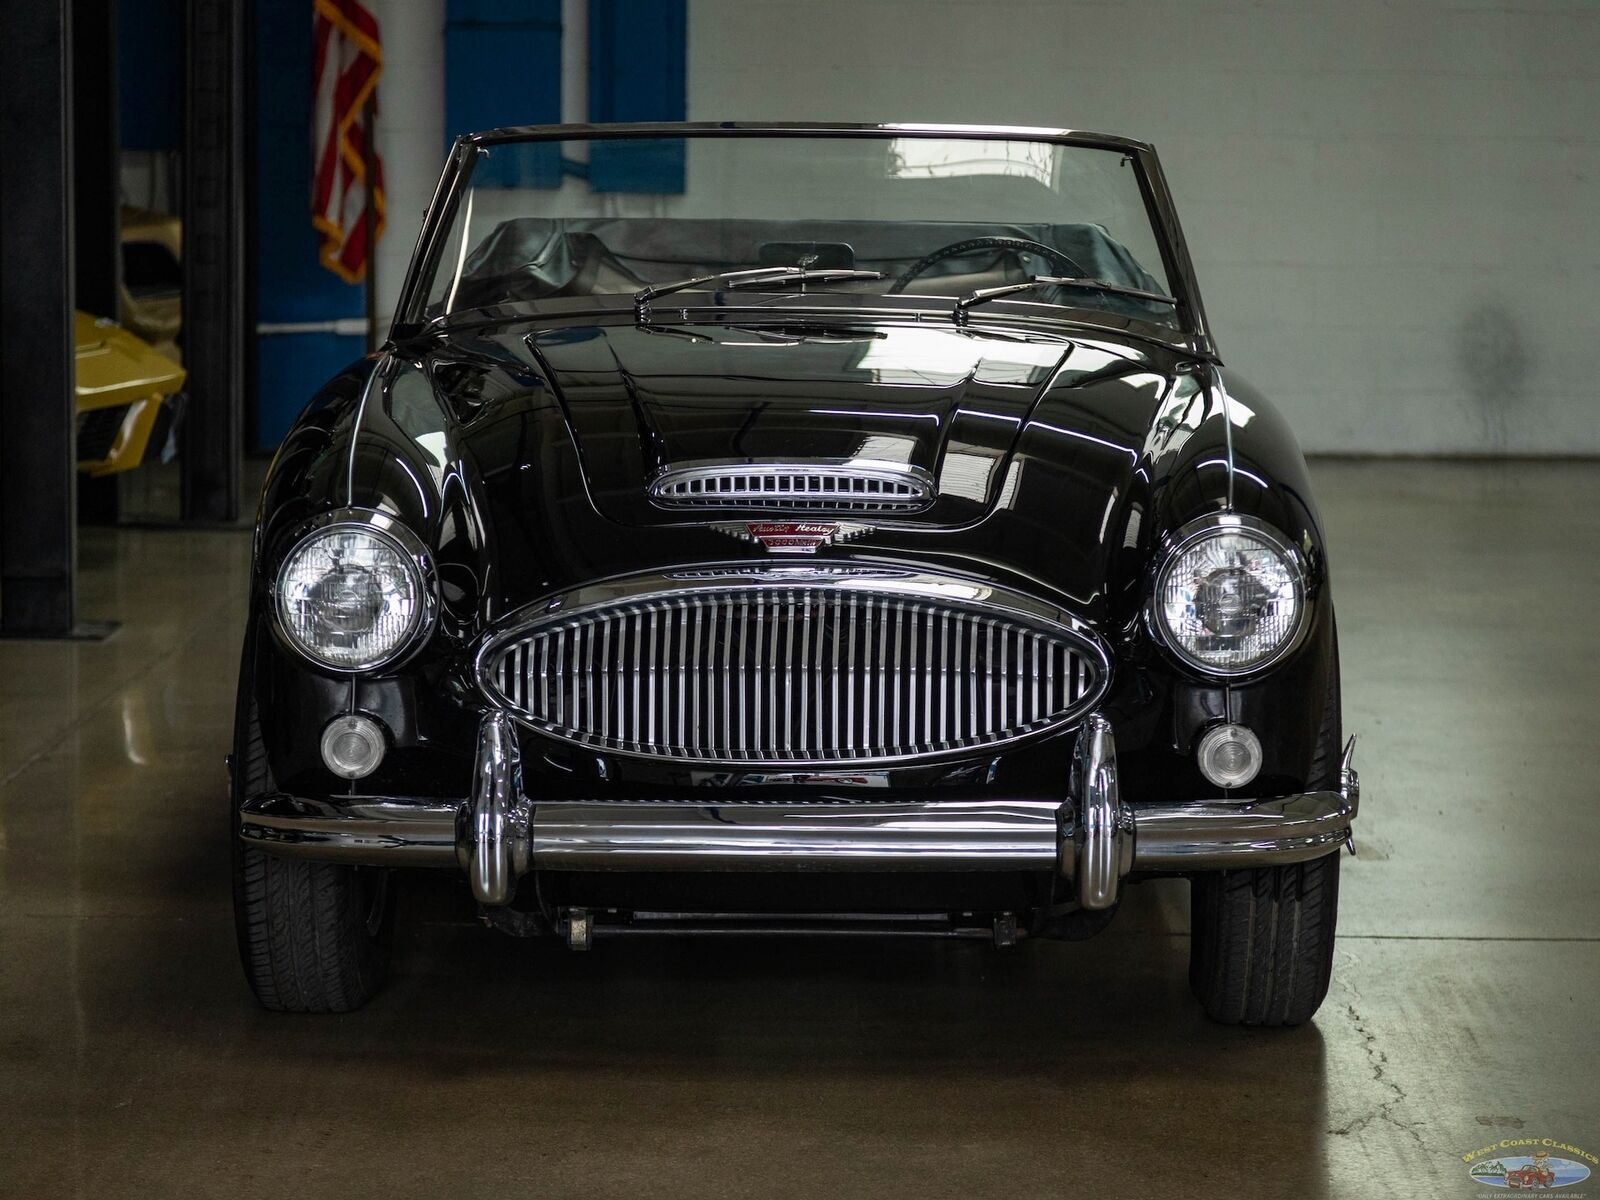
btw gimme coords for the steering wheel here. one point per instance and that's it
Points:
(972, 245)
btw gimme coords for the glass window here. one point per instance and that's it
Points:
(934, 216)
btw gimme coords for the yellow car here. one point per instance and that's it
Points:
(152, 277)
(127, 397)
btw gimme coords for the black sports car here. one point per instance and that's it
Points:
(793, 528)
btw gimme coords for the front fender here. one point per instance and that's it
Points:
(1262, 475)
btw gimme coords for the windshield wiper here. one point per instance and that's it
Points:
(1035, 281)
(804, 275)
(752, 277)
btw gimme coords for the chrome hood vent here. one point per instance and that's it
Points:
(833, 487)
(792, 666)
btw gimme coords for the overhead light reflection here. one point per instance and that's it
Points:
(1085, 437)
(132, 734)
(945, 158)
(850, 412)
(1237, 470)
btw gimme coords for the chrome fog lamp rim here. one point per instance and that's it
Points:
(1239, 735)
(1184, 540)
(353, 746)
(404, 542)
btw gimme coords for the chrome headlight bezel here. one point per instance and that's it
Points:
(407, 546)
(1184, 540)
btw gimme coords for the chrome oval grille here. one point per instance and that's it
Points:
(852, 487)
(814, 673)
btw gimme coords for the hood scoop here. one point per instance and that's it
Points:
(857, 486)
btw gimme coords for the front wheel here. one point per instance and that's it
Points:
(313, 936)
(1261, 941)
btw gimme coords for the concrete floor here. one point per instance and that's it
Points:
(133, 1061)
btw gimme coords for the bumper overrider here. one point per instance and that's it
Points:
(1092, 837)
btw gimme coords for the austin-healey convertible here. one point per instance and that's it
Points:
(793, 529)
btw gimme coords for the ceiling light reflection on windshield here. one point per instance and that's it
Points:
(935, 158)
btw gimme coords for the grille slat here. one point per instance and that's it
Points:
(805, 682)
(850, 673)
(794, 674)
(847, 487)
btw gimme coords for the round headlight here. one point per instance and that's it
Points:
(350, 597)
(1230, 598)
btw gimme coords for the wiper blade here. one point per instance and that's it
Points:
(1036, 281)
(752, 277)
(644, 295)
(804, 275)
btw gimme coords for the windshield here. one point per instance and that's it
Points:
(539, 221)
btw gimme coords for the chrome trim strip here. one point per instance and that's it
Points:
(1227, 433)
(811, 485)
(355, 434)
(652, 129)
(748, 731)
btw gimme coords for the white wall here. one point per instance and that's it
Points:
(411, 134)
(411, 128)
(1394, 207)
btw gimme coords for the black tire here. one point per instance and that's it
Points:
(1262, 939)
(313, 937)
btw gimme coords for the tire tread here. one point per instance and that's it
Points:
(303, 929)
(1262, 938)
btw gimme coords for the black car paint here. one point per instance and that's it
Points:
(520, 448)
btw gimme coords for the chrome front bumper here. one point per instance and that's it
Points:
(1093, 838)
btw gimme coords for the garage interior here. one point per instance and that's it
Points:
(1390, 208)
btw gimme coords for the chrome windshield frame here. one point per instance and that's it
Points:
(410, 320)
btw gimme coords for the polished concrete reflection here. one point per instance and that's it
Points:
(133, 1061)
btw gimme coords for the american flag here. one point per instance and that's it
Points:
(347, 60)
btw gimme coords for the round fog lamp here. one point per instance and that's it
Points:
(1229, 755)
(352, 747)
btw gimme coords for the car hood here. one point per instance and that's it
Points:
(1049, 452)
(640, 400)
